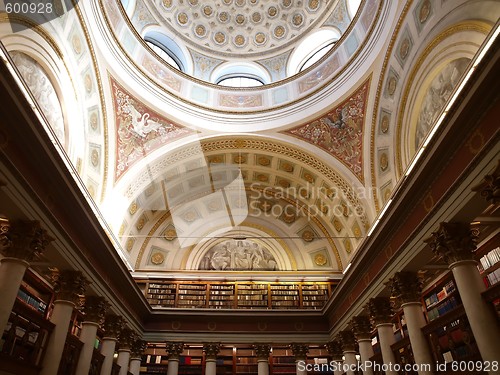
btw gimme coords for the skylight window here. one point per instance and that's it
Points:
(164, 53)
(240, 81)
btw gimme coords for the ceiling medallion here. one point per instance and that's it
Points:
(256, 17)
(405, 47)
(167, 3)
(272, 12)
(279, 32)
(228, 2)
(286, 3)
(240, 19)
(320, 259)
(193, 2)
(169, 234)
(200, 30)
(297, 19)
(264, 161)
(425, 10)
(240, 2)
(239, 40)
(313, 4)
(182, 18)
(384, 126)
(384, 161)
(219, 37)
(223, 17)
(207, 10)
(157, 258)
(260, 38)
(307, 235)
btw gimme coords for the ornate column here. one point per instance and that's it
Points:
(335, 349)
(381, 314)
(262, 351)
(406, 287)
(113, 324)
(95, 309)
(126, 339)
(70, 289)
(348, 343)
(489, 188)
(362, 328)
(138, 348)
(211, 350)
(455, 243)
(300, 352)
(174, 350)
(20, 242)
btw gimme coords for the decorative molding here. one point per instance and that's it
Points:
(211, 350)
(262, 351)
(489, 187)
(406, 287)
(126, 338)
(361, 327)
(22, 239)
(454, 242)
(380, 309)
(113, 324)
(174, 350)
(95, 308)
(299, 351)
(69, 286)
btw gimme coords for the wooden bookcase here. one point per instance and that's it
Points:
(282, 361)
(245, 361)
(442, 298)
(236, 295)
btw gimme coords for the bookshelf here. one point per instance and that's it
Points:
(285, 296)
(191, 362)
(252, 295)
(314, 296)
(192, 295)
(489, 267)
(441, 299)
(164, 294)
(282, 361)
(245, 361)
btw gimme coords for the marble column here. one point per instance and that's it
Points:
(362, 328)
(262, 351)
(381, 317)
(300, 353)
(138, 347)
(174, 350)
(406, 288)
(348, 343)
(113, 324)
(70, 288)
(335, 350)
(126, 339)
(94, 310)
(20, 242)
(455, 243)
(211, 350)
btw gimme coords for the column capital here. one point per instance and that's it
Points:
(380, 309)
(299, 351)
(174, 349)
(489, 187)
(69, 285)
(406, 287)
(138, 347)
(211, 349)
(453, 242)
(262, 351)
(361, 327)
(347, 340)
(126, 338)
(95, 309)
(22, 239)
(113, 324)
(335, 349)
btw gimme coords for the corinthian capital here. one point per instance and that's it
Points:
(211, 349)
(138, 347)
(453, 242)
(335, 349)
(361, 327)
(347, 340)
(489, 187)
(380, 309)
(406, 287)
(174, 349)
(95, 309)
(299, 351)
(126, 338)
(69, 285)
(113, 324)
(22, 239)
(262, 350)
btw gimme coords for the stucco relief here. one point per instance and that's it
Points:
(436, 96)
(43, 91)
(238, 255)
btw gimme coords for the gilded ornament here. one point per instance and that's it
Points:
(133, 208)
(170, 234)
(256, 17)
(260, 38)
(348, 246)
(264, 161)
(337, 225)
(87, 83)
(240, 19)
(239, 40)
(404, 48)
(182, 18)
(214, 205)
(266, 206)
(391, 86)
(207, 10)
(320, 259)
(384, 124)
(283, 183)
(227, 2)
(288, 218)
(157, 258)
(356, 230)
(77, 44)
(286, 3)
(279, 32)
(287, 167)
(272, 11)
(94, 157)
(193, 2)
(220, 37)
(190, 216)
(140, 223)
(93, 120)
(200, 30)
(384, 161)
(240, 143)
(297, 19)
(167, 3)
(240, 159)
(130, 244)
(308, 177)
(425, 10)
(262, 177)
(240, 2)
(313, 4)
(307, 235)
